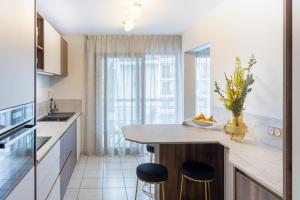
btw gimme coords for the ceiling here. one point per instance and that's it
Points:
(92, 17)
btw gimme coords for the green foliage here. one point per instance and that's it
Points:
(238, 86)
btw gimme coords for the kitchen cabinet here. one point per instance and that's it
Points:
(78, 137)
(25, 189)
(47, 172)
(248, 189)
(52, 50)
(55, 192)
(63, 57)
(17, 49)
(68, 158)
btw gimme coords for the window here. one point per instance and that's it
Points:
(160, 89)
(202, 63)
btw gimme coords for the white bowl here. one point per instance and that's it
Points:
(203, 123)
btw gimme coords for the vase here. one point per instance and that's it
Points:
(236, 127)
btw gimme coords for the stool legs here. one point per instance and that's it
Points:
(206, 188)
(136, 189)
(163, 190)
(181, 185)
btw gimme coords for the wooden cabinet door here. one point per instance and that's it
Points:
(52, 51)
(64, 57)
(247, 189)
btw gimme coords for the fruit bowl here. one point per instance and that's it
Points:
(204, 123)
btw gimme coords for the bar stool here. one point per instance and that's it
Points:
(198, 172)
(151, 173)
(150, 149)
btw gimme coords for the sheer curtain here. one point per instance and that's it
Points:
(137, 80)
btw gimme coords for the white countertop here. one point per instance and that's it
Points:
(257, 160)
(54, 130)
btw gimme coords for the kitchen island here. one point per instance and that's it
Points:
(178, 143)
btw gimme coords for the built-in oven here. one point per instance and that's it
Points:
(17, 146)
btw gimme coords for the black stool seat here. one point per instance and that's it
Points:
(152, 172)
(198, 171)
(150, 148)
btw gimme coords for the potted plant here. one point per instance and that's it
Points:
(238, 86)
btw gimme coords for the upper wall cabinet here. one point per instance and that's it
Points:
(52, 50)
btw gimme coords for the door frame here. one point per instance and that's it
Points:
(287, 100)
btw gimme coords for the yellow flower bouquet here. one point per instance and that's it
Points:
(238, 86)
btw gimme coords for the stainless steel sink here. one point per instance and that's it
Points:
(57, 117)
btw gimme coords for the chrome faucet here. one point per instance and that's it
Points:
(52, 106)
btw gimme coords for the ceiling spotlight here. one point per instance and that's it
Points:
(128, 25)
(135, 10)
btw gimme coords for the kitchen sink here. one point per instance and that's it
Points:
(57, 117)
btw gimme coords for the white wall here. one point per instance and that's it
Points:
(296, 99)
(42, 88)
(71, 87)
(240, 28)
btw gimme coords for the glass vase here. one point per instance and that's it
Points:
(236, 127)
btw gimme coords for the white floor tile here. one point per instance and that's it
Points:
(90, 194)
(112, 173)
(74, 183)
(77, 174)
(112, 165)
(114, 194)
(92, 183)
(94, 166)
(113, 183)
(71, 194)
(129, 173)
(130, 182)
(93, 174)
(80, 166)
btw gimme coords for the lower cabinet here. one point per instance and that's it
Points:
(55, 192)
(55, 170)
(47, 172)
(247, 189)
(25, 189)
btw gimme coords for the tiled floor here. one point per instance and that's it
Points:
(105, 178)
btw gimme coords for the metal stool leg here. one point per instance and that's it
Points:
(136, 189)
(163, 190)
(181, 186)
(205, 187)
(209, 190)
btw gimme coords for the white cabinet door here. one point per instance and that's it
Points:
(16, 52)
(25, 189)
(47, 171)
(51, 50)
(55, 192)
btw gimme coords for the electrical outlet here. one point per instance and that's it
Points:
(274, 131)
(277, 132)
(271, 131)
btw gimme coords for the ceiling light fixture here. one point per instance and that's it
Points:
(135, 10)
(134, 13)
(128, 24)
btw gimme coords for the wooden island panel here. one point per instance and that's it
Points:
(174, 155)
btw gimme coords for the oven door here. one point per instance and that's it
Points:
(17, 154)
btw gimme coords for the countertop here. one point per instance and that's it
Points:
(54, 130)
(257, 160)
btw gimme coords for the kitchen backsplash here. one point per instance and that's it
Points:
(63, 105)
(258, 126)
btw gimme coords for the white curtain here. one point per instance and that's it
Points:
(137, 80)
